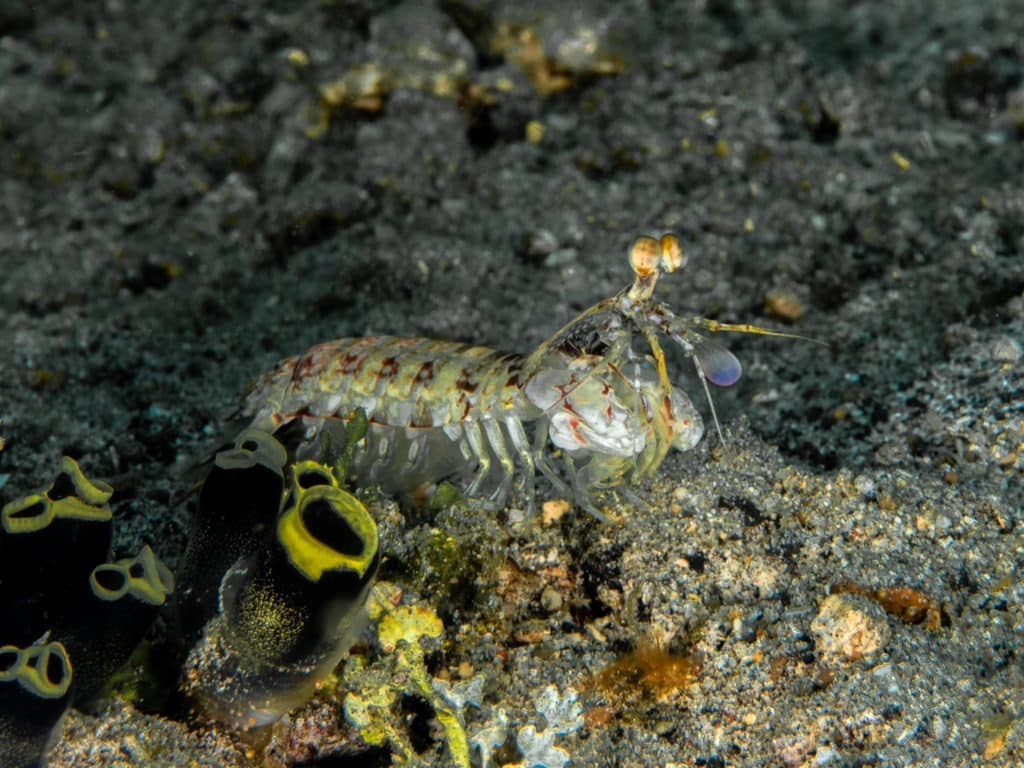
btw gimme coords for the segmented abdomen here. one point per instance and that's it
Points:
(398, 382)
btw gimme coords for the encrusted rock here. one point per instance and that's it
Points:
(850, 627)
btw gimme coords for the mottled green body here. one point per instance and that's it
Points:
(398, 382)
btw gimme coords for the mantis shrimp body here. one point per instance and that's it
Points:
(598, 390)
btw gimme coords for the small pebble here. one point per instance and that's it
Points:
(538, 244)
(784, 304)
(865, 485)
(551, 600)
(825, 755)
(1006, 350)
(552, 511)
(561, 258)
(664, 727)
(850, 627)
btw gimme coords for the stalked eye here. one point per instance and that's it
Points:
(719, 366)
(645, 255)
(672, 257)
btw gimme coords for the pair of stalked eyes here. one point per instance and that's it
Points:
(649, 255)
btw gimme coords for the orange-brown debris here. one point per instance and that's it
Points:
(910, 605)
(648, 672)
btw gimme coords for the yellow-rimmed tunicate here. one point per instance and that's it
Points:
(71, 496)
(289, 611)
(104, 628)
(50, 540)
(236, 514)
(312, 533)
(35, 692)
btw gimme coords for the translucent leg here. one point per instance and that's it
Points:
(581, 486)
(508, 464)
(522, 445)
(539, 444)
(483, 455)
(632, 497)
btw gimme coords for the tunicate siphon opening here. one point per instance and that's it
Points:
(109, 578)
(9, 658)
(62, 487)
(35, 510)
(55, 668)
(327, 526)
(310, 478)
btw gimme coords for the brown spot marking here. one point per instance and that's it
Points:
(388, 368)
(465, 383)
(609, 409)
(302, 367)
(514, 369)
(426, 373)
(351, 363)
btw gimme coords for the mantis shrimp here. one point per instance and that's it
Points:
(598, 390)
